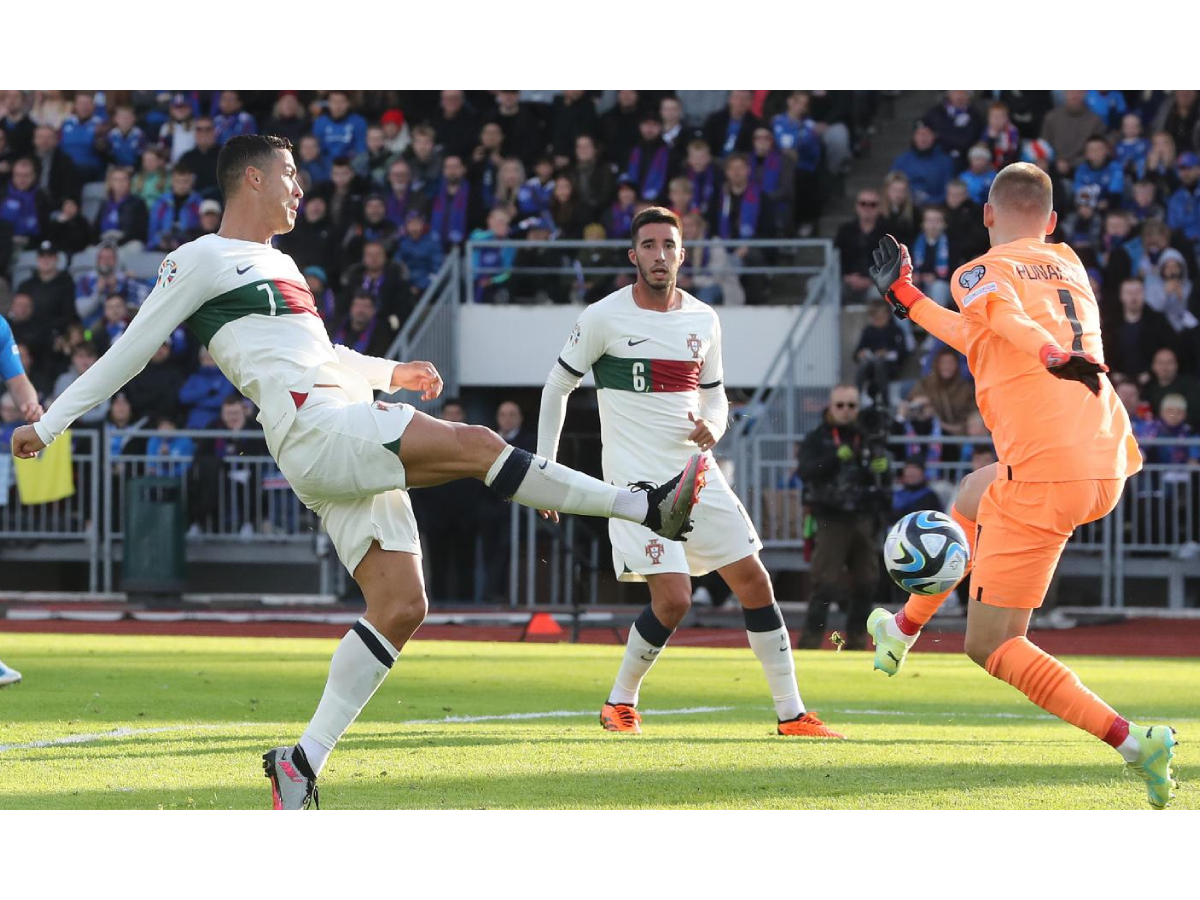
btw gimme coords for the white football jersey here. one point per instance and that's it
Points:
(648, 367)
(249, 304)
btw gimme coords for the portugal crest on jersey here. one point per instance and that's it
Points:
(654, 550)
(693, 344)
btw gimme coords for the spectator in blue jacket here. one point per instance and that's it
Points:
(312, 162)
(23, 205)
(1131, 150)
(166, 444)
(175, 213)
(797, 134)
(1183, 209)
(533, 198)
(203, 393)
(82, 135)
(1144, 202)
(913, 493)
(493, 285)
(957, 124)
(420, 252)
(979, 174)
(1100, 172)
(340, 131)
(929, 170)
(1108, 105)
(123, 217)
(232, 120)
(107, 279)
(126, 142)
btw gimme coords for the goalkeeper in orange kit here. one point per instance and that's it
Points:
(1030, 328)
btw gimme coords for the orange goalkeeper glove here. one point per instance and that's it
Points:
(1072, 365)
(892, 274)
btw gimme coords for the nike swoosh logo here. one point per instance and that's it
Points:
(545, 462)
(245, 270)
(633, 343)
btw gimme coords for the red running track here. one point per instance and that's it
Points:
(1135, 637)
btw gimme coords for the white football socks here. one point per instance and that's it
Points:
(1129, 749)
(548, 485)
(769, 640)
(640, 657)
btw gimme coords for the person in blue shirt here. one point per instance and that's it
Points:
(204, 392)
(1099, 172)
(979, 174)
(1131, 150)
(420, 252)
(796, 134)
(232, 120)
(311, 161)
(82, 135)
(125, 141)
(1183, 209)
(913, 492)
(23, 204)
(929, 170)
(25, 397)
(1108, 105)
(175, 213)
(167, 444)
(340, 131)
(12, 373)
(498, 260)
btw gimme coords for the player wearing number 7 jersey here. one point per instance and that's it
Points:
(1030, 328)
(348, 458)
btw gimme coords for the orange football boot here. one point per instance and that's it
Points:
(808, 725)
(621, 717)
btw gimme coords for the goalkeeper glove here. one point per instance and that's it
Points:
(1072, 365)
(892, 274)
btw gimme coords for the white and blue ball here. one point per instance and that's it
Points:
(926, 552)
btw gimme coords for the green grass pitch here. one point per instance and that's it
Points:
(200, 711)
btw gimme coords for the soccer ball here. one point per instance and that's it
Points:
(926, 552)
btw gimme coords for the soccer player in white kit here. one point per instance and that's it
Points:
(655, 353)
(348, 458)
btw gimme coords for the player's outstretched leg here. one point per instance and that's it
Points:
(996, 641)
(895, 635)
(434, 452)
(394, 591)
(771, 643)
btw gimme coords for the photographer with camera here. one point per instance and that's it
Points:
(846, 471)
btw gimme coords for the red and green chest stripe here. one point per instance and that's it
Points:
(646, 376)
(266, 297)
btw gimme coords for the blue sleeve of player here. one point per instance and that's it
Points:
(10, 359)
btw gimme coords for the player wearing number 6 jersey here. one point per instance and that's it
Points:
(1030, 328)
(655, 353)
(348, 458)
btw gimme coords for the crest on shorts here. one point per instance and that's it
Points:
(693, 344)
(971, 277)
(167, 272)
(655, 551)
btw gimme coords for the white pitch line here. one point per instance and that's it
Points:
(118, 733)
(562, 714)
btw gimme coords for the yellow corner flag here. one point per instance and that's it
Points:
(48, 476)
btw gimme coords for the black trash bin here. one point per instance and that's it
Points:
(153, 561)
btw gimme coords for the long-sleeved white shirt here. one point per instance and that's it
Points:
(652, 369)
(249, 304)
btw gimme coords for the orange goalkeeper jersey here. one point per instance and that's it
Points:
(1044, 428)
